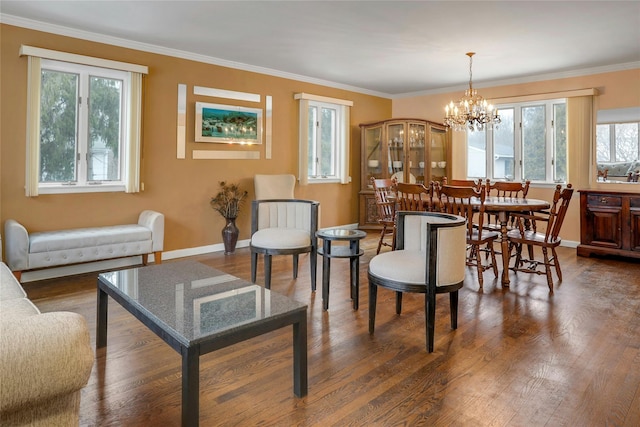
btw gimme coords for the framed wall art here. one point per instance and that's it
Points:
(228, 124)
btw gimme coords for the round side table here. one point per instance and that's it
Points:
(353, 252)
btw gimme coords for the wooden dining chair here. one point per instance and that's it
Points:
(548, 239)
(385, 194)
(474, 183)
(460, 201)
(414, 197)
(429, 259)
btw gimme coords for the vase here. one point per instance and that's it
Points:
(230, 236)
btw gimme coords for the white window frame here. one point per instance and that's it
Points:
(340, 143)
(518, 144)
(81, 184)
(131, 119)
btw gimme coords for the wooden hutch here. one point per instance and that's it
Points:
(609, 223)
(411, 150)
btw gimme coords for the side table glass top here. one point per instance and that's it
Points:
(191, 300)
(340, 234)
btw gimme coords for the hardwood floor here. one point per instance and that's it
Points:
(519, 357)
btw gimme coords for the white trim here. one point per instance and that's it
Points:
(81, 59)
(226, 94)
(268, 128)
(319, 98)
(182, 122)
(226, 155)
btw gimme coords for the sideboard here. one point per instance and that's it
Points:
(609, 223)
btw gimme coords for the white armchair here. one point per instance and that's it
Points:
(284, 227)
(429, 258)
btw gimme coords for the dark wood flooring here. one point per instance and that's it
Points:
(520, 357)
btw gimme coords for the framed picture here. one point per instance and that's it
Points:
(228, 124)
(227, 309)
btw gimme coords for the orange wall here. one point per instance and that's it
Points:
(619, 89)
(180, 189)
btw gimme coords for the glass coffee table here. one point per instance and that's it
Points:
(197, 309)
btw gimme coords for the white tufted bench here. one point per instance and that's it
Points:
(26, 251)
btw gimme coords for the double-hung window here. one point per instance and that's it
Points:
(324, 139)
(83, 123)
(530, 143)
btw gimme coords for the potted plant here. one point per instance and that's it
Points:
(228, 202)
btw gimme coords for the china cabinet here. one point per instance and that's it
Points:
(609, 223)
(410, 150)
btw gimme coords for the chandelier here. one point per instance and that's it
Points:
(472, 111)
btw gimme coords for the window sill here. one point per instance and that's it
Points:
(72, 189)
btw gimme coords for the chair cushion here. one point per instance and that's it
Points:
(404, 266)
(281, 238)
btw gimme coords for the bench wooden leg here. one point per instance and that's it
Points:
(18, 275)
(145, 259)
(157, 257)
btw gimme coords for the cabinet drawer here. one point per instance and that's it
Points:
(634, 202)
(602, 200)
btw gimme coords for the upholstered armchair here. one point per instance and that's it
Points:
(284, 227)
(429, 258)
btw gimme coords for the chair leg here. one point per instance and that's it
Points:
(373, 298)
(254, 266)
(382, 233)
(453, 302)
(557, 264)
(313, 264)
(295, 266)
(547, 267)
(493, 259)
(430, 317)
(518, 255)
(479, 266)
(267, 271)
(398, 302)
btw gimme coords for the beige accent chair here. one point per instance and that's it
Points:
(45, 360)
(429, 258)
(282, 225)
(274, 186)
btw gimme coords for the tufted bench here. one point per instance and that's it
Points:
(26, 251)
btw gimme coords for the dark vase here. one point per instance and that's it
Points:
(230, 236)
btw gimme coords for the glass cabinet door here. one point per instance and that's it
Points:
(416, 152)
(374, 162)
(439, 164)
(395, 148)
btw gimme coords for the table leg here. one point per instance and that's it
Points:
(353, 260)
(190, 387)
(326, 272)
(502, 217)
(300, 385)
(101, 320)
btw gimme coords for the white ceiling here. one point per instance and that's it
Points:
(386, 48)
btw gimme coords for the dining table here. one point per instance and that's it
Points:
(502, 207)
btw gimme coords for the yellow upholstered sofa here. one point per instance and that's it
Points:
(45, 360)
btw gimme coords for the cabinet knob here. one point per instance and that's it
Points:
(603, 201)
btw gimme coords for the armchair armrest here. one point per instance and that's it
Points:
(154, 221)
(43, 356)
(16, 245)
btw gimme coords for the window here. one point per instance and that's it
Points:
(84, 115)
(617, 142)
(324, 139)
(529, 144)
(82, 125)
